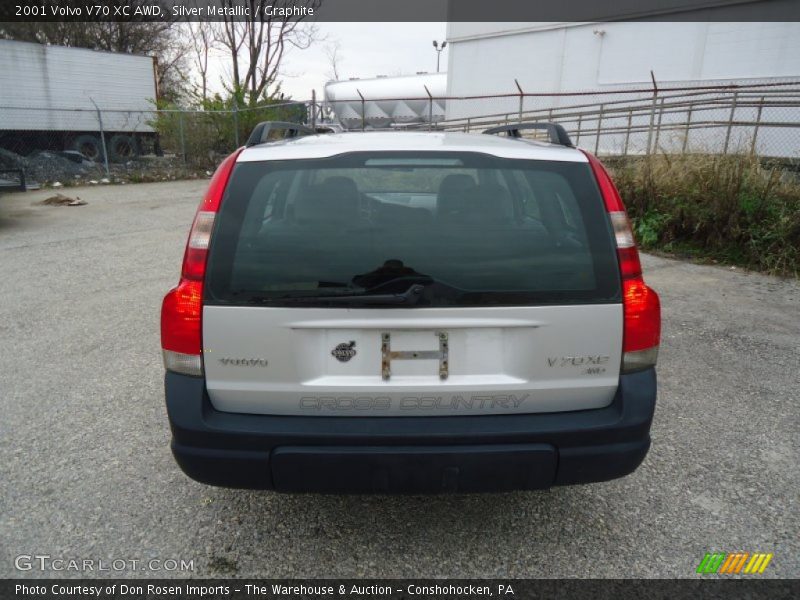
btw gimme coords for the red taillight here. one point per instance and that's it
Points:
(194, 259)
(640, 304)
(182, 309)
(629, 265)
(642, 311)
(180, 318)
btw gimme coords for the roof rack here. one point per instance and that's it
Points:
(558, 135)
(261, 132)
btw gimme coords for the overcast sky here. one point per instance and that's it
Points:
(365, 50)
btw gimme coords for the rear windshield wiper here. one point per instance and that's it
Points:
(409, 297)
(343, 294)
(351, 296)
(419, 288)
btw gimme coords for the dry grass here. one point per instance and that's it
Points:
(733, 209)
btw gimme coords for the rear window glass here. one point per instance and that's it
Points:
(488, 231)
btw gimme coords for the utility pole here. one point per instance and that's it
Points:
(438, 49)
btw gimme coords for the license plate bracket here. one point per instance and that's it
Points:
(388, 355)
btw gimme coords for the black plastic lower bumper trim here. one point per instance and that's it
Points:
(409, 454)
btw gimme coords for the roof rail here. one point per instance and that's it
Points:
(558, 135)
(261, 132)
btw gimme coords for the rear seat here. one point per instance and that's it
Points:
(333, 200)
(483, 204)
(403, 216)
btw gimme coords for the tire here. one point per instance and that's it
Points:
(122, 148)
(89, 145)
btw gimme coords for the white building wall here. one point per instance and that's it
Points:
(558, 57)
(486, 58)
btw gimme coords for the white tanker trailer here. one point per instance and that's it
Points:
(386, 101)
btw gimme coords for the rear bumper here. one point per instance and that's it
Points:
(409, 454)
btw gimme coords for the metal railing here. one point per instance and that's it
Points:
(764, 119)
(157, 144)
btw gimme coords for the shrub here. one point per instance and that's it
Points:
(732, 208)
(214, 130)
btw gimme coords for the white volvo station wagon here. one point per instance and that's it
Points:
(385, 312)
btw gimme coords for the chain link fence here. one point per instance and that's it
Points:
(761, 119)
(71, 146)
(75, 146)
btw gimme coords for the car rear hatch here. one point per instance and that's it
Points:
(412, 283)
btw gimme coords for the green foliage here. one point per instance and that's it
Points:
(648, 228)
(731, 208)
(214, 128)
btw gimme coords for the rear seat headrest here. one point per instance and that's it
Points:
(451, 193)
(335, 199)
(493, 202)
(341, 186)
(483, 203)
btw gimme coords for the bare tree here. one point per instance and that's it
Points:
(257, 45)
(201, 40)
(334, 54)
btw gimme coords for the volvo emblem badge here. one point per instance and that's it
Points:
(344, 351)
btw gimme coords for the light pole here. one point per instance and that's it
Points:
(438, 52)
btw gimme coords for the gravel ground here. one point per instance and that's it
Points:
(86, 470)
